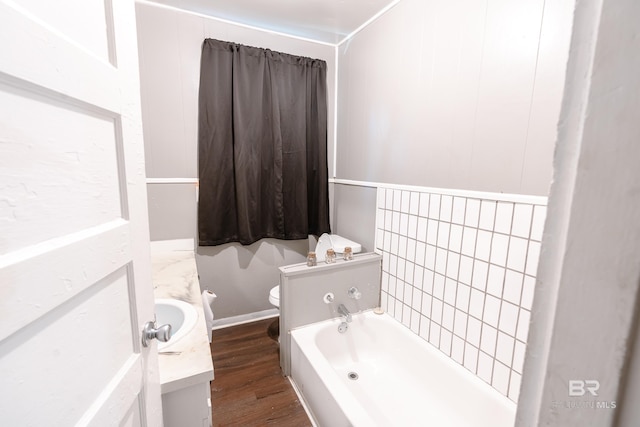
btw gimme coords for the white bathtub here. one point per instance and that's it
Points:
(402, 380)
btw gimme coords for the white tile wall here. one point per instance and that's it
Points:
(460, 272)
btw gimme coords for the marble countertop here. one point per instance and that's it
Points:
(175, 276)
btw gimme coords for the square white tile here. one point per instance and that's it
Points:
(458, 213)
(445, 341)
(469, 241)
(499, 249)
(441, 261)
(472, 213)
(430, 257)
(414, 203)
(523, 325)
(411, 250)
(436, 311)
(416, 300)
(500, 379)
(480, 272)
(420, 250)
(406, 315)
(488, 340)
(528, 289)
(402, 246)
(434, 206)
(380, 197)
(460, 324)
(415, 321)
(474, 328)
(471, 358)
(434, 333)
(487, 214)
(457, 350)
(518, 356)
(404, 206)
(495, 280)
(522, 215)
(404, 224)
(432, 232)
(514, 386)
(504, 348)
(485, 367)
(483, 245)
(446, 208)
(450, 288)
(408, 272)
(412, 231)
(517, 253)
(425, 325)
(421, 232)
(476, 303)
(533, 255)
(448, 314)
(537, 224)
(427, 281)
(491, 310)
(408, 294)
(462, 297)
(388, 200)
(438, 286)
(426, 305)
(453, 262)
(466, 269)
(397, 200)
(388, 217)
(512, 286)
(504, 215)
(423, 209)
(455, 238)
(443, 235)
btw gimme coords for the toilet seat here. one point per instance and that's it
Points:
(274, 296)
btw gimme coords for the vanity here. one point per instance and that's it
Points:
(185, 366)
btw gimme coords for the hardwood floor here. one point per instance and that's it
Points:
(249, 389)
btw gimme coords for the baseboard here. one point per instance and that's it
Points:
(244, 318)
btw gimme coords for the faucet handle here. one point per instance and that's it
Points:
(354, 293)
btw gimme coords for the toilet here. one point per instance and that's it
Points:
(326, 241)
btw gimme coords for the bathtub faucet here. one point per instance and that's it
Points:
(344, 312)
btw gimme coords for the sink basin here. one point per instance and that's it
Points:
(180, 315)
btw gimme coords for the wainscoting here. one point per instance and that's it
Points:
(459, 270)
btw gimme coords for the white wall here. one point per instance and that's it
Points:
(170, 44)
(458, 94)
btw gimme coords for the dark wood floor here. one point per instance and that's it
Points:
(249, 389)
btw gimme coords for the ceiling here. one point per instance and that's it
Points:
(328, 21)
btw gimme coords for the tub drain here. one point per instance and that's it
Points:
(352, 376)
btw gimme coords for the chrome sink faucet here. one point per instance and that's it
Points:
(344, 312)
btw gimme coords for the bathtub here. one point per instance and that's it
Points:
(379, 373)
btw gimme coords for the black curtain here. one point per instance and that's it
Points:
(262, 145)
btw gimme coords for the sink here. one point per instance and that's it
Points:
(180, 315)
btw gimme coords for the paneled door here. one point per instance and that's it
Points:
(75, 280)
